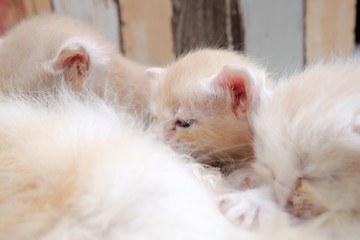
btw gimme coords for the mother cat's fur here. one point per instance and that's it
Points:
(74, 168)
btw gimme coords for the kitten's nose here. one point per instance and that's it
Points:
(295, 203)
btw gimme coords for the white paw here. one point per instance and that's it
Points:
(251, 208)
(244, 178)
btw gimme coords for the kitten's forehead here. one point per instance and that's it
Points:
(201, 65)
(314, 117)
(191, 75)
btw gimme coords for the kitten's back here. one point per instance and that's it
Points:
(32, 50)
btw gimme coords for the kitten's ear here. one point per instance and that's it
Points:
(244, 86)
(154, 72)
(73, 59)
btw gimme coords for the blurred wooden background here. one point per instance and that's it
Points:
(284, 34)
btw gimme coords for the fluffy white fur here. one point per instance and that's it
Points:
(307, 148)
(74, 167)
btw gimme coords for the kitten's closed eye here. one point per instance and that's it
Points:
(264, 170)
(184, 123)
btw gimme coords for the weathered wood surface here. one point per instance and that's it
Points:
(146, 30)
(329, 29)
(274, 33)
(284, 34)
(206, 23)
(13, 11)
(34, 7)
(101, 14)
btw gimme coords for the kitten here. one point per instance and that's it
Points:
(307, 147)
(204, 99)
(47, 48)
(74, 167)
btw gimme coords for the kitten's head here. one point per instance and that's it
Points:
(307, 141)
(47, 48)
(204, 100)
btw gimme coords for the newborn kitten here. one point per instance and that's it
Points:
(45, 49)
(74, 167)
(204, 99)
(307, 147)
(78, 169)
(311, 125)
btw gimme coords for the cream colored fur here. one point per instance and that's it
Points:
(74, 167)
(307, 147)
(198, 87)
(32, 50)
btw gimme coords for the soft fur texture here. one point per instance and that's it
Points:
(307, 145)
(204, 99)
(45, 48)
(74, 167)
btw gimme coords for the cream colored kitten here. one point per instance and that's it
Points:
(204, 99)
(74, 167)
(307, 147)
(47, 48)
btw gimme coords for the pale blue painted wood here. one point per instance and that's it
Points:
(101, 14)
(274, 32)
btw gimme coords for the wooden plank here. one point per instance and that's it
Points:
(329, 29)
(101, 14)
(235, 23)
(13, 11)
(210, 23)
(34, 7)
(146, 30)
(274, 33)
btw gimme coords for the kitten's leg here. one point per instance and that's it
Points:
(252, 208)
(243, 179)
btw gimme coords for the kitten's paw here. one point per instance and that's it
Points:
(243, 179)
(251, 209)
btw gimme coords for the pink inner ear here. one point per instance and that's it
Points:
(236, 85)
(78, 61)
(73, 61)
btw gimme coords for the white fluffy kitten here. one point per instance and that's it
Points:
(307, 147)
(74, 168)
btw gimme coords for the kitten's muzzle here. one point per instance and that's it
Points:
(295, 199)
